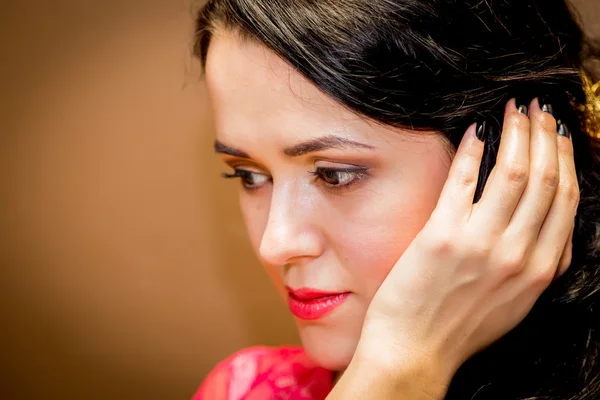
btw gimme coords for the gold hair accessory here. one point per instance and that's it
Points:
(591, 108)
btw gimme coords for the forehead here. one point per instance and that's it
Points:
(249, 85)
(240, 71)
(252, 90)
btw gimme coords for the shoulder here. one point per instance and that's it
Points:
(265, 371)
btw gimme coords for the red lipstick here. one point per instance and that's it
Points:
(310, 304)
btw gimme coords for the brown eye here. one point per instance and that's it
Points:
(339, 177)
(250, 179)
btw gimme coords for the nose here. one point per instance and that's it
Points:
(292, 231)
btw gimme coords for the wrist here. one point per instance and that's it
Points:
(417, 374)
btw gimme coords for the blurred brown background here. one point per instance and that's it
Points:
(125, 272)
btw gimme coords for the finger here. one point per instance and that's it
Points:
(559, 222)
(531, 211)
(565, 259)
(567, 255)
(510, 174)
(457, 193)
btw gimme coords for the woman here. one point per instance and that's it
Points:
(364, 133)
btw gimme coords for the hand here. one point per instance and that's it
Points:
(476, 270)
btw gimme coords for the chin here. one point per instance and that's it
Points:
(329, 348)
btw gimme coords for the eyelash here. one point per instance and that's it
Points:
(244, 176)
(358, 174)
(320, 173)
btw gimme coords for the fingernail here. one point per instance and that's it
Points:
(481, 131)
(563, 130)
(546, 107)
(523, 109)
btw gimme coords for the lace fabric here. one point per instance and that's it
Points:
(260, 373)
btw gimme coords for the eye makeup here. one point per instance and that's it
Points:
(250, 180)
(333, 176)
(340, 178)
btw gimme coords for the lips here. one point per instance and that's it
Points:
(311, 304)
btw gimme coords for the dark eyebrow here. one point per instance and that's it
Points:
(300, 149)
(223, 148)
(322, 143)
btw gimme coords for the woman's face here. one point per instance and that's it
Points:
(330, 200)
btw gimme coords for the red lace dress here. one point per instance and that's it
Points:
(260, 373)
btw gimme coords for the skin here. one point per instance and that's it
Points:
(433, 277)
(306, 231)
(498, 256)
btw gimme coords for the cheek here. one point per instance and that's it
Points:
(371, 242)
(255, 212)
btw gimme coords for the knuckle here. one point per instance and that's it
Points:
(514, 264)
(571, 193)
(516, 173)
(442, 248)
(481, 251)
(442, 242)
(465, 178)
(550, 177)
(542, 277)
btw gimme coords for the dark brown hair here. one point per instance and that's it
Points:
(439, 65)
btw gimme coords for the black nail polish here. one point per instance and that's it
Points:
(545, 106)
(563, 130)
(523, 109)
(481, 130)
